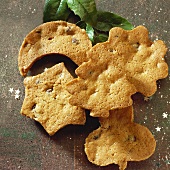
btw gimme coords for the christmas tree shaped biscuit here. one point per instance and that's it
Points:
(127, 63)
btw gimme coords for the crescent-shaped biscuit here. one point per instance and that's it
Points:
(53, 37)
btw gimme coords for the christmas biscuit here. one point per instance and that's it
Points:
(46, 100)
(57, 37)
(119, 140)
(127, 63)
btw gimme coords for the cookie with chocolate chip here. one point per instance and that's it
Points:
(47, 100)
(119, 140)
(127, 63)
(55, 37)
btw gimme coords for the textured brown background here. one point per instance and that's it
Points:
(24, 144)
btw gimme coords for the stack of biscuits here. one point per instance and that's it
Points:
(108, 74)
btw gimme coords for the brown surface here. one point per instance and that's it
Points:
(24, 144)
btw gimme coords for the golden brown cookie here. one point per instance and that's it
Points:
(47, 100)
(125, 64)
(53, 37)
(119, 140)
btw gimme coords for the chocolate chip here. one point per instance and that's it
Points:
(75, 41)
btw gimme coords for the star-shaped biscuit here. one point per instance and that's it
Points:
(125, 64)
(119, 140)
(47, 100)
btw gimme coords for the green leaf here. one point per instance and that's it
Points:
(102, 37)
(84, 13)
(56, 10)
(108, 20)
(81, 24)
(72, 18)
(63, 11)
(90, 32)
(89, 29)
(85, 9)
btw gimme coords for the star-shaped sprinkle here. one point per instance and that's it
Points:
(17, 91)
(11, 90)
(146, 99)
(17, 96)
(165, 115)
(158, 129)
(45, 69)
